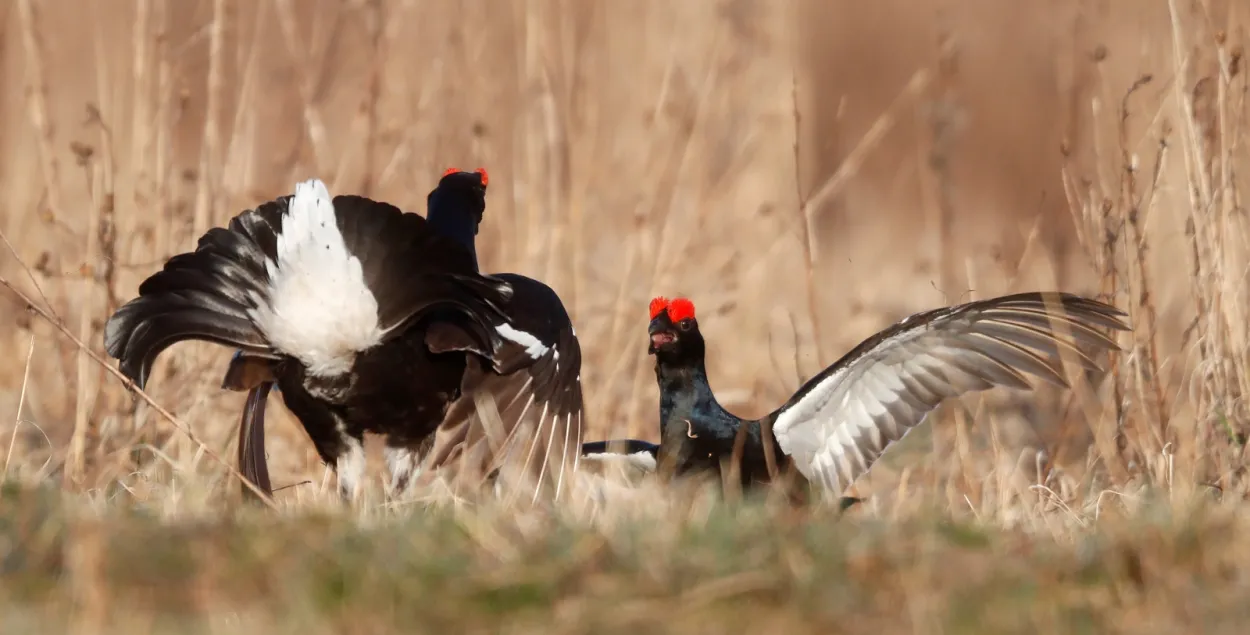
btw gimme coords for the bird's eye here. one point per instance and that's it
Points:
(685, 324)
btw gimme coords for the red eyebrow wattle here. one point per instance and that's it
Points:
(658, 305)
(680, 309)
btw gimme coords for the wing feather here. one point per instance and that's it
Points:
(532, 379)
(838, 424)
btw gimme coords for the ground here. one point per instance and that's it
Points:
(805, 172)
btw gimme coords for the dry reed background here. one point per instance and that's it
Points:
(946, 150)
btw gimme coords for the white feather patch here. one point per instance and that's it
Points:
(402, 464)
(319, 308)
(641, 460)
(533, 346)
(350, 468)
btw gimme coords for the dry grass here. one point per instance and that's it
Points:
(807, 172)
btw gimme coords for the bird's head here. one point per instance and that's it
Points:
(459, 192)
(674, 331)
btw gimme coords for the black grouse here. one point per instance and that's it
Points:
(841, 420)
(366, 318)
(534, 383)
(533, 390)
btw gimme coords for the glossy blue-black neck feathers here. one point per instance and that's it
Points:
(696, 432)
(693, 420)
(685, 394)
(454, 208)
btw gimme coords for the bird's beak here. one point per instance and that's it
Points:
(660, 336)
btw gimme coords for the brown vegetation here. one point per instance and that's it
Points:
(807, 172)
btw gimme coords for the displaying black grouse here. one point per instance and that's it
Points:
(540, 405)
(367, 318)
(529, 404)
(534, 384)
(840, 421)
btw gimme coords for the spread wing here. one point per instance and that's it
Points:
(842, 419)
(520, 408)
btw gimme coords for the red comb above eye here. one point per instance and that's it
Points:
(485, 177)
(451, 171)
(658, 305)
(680, 309)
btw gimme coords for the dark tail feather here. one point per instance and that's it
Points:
(255, 374)
(252, 461)
(621, 446)
(202, 295)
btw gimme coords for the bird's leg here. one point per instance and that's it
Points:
(340, 447)
(401, 462)
(350, 466)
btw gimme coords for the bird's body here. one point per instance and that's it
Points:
(521, 417)
(366, 318)
(696, 432)
(840, 421)
(531, 373)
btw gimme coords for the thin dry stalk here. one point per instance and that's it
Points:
(141, 116)
(130, 385)
(239, 169)
(163, 241)
(918, 83)
(1211, 228)
(809, 255)
(303, 61)
(1093, 210)
(100, 183)
(37, 105)
(210, 153)
(602, 401)
(1130, 205)
(34, 280)
(17, 418)
(74, 461)
(375, 23)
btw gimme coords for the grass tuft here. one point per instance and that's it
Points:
(806, 172)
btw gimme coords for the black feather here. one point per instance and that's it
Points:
(205, 294)
(252, 462)
(619, 446)
(208, 294)
(409, 268)
(537, 400)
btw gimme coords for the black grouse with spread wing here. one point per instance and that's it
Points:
(521, 415)
(840, 421)
(365, 317)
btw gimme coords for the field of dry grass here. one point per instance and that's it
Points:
(807, 172)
